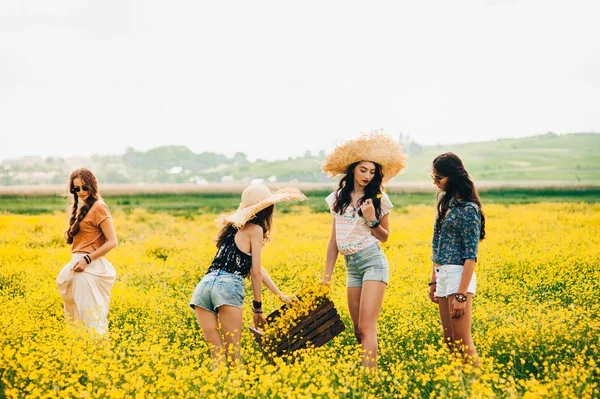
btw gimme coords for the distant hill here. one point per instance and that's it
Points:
(569, 157)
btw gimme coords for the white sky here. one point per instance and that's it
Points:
(273, 79)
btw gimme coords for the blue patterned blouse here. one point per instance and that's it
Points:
(458, 238)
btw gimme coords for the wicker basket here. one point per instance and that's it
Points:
(317, 328)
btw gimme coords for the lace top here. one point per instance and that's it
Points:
(231, 259)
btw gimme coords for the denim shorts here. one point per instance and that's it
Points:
(448, 279)
(219, 288)
(368, 264)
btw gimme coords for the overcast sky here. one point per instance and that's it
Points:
(273, 79)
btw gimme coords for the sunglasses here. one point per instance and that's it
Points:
(437, 178)
(77, 189)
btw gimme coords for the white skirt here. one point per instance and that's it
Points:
(86, 294)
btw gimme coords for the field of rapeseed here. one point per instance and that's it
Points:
(536, 313)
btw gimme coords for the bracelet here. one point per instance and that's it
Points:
(87, 259)
(460, 297)
(256, 304)
(257, 311)
(374, 224)
(432, 283)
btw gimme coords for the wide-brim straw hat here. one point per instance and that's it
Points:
(255, 198)
(375, 146)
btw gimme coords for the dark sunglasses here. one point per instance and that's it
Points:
(77, 189)
(437, 178)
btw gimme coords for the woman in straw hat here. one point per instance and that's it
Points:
(85, 282)
(459, 226)
(360, 210)
(219, 296)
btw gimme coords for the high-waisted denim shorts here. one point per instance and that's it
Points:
(219, 288)
(368, 264)
(448, 279)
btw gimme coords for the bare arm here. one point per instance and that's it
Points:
(256, 243)
(467, 274)
(382, 231)
(457, 309)
(266, 279)
(331, 255)
(432, 287)
(108, 229)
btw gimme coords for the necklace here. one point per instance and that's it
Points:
(352, 202)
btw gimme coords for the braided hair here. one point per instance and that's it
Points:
(459, 185)
(77, 214)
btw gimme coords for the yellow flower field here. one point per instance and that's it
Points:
(536, 313)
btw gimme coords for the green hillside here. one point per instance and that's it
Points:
(572, 157)
(569, 158)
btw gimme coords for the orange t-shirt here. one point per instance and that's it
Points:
(90, 236)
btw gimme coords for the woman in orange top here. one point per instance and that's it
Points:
(85, 282)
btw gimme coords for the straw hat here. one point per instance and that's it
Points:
(257, 197)
(375, 147)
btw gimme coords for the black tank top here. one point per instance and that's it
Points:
(231, 259)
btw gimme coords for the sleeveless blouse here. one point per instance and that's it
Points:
(231, 259)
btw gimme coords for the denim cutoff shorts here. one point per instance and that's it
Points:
(368, 264)
(219, 288)
(448, 279)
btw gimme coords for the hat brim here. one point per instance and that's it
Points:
(374, 147)
(239, 218)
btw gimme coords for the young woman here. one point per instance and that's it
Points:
(459, 226)
(85, 282)
(360, 210)
(219, 296)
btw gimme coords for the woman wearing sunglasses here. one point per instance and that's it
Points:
(459, 226)
(85, 282)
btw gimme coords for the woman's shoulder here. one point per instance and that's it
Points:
(251, 229)
(330, 199)
(385, 197)
(99, 205)
(468, 207)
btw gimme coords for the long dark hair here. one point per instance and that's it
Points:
(458, 185)
(77, 215)
(263, 218)
(346, 186)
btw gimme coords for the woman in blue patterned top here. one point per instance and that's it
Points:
(459, 226)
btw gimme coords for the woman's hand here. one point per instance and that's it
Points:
(368, 210)
(288, 298)
(259, 320)
(457, 309)
(432, 294)
(80, 265)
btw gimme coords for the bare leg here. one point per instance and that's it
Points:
(231, 321)
(354, 294)
(210, 328)
(370, 307)
(446, 319)
(461, 327)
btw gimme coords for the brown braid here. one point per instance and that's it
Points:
(77, 215)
